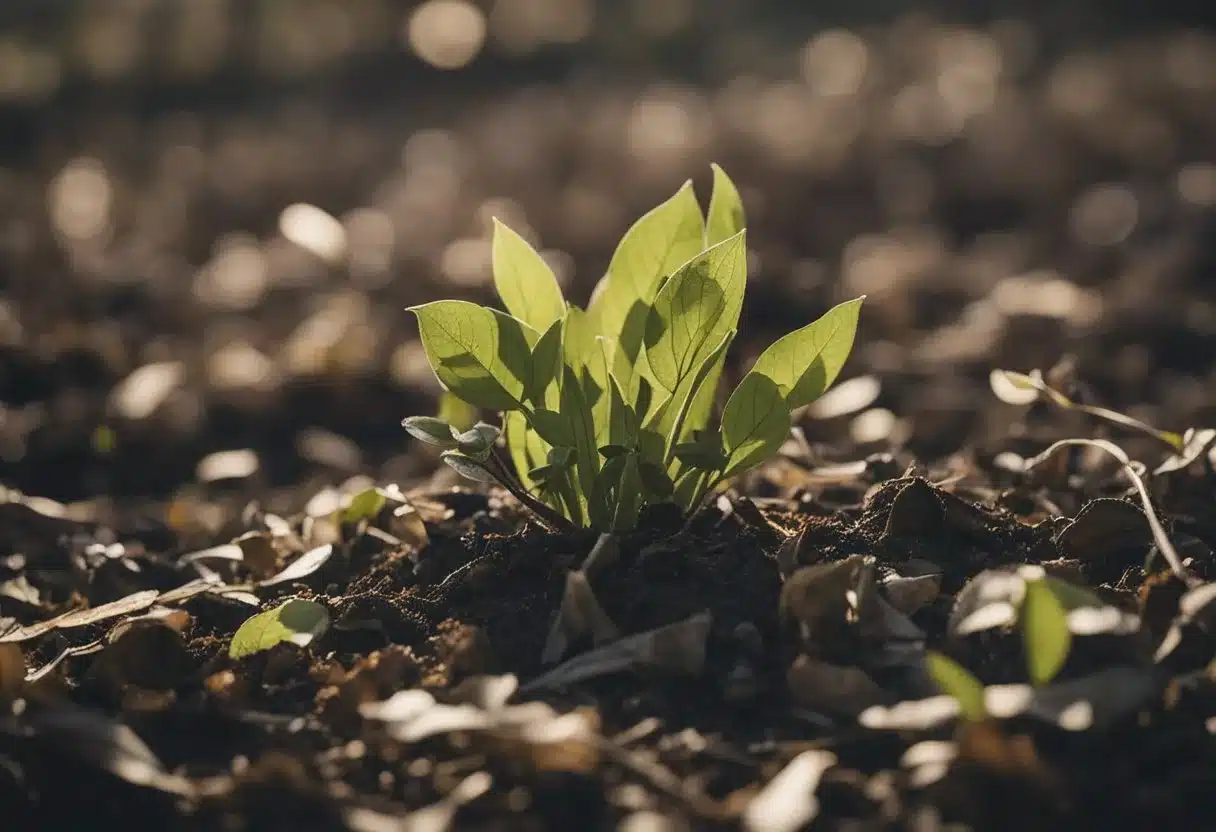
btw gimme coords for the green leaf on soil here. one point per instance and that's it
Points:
(366, 505)
(956, 681)
(296, 622)
(1046, 637)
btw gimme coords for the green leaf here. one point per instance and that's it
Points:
(671, 421)
(705, 393)
(653, 247)
(561, 457)
(755, 423)
(700, 455)
(953, 679)
(656, 481)
(366, 505)
(610, 451)
(468, 467)
(480, 354)
(456, 411)
(1046, 638)
(726, 216)
(524, 280)
(805, 362)
(430, 430)
(296, 622)
(526, 447)
(695, 309)
(541, 388)
(478, 441)
(616, 498)
(622, 421)
(553, 427)
(578, 415)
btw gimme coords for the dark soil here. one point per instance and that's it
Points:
(1066, 224)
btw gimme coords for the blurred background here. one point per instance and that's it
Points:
(213, 212)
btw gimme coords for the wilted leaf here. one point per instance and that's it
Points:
(81, 618)
(524, 280)
(788, 802)
(297, 622)
(12, 672)
(830, 688)
(303, 566)
(1045, 633)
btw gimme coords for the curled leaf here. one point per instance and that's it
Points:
(430, 430)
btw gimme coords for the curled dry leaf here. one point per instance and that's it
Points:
(80, 618)
(532, 730)
(788, 803)
(916, 511)
(1104, 526)
(303, 566)
(909, 594)
(677, 648)
(580, 613)
(110, 746)
(149, 651)
(832, 689)
(12, 672)
(1196, 444)
(816, 597)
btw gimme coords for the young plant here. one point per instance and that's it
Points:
(608, 409)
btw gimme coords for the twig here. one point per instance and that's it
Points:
(1159, 536)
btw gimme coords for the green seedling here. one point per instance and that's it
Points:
(608, 409)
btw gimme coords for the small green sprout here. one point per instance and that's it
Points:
(608, 409)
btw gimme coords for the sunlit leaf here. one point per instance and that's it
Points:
(805, 362)
(456, 411)
(1046, 637)
(755, 423)
(296, 622)
(653, 247)
(524, 280)
(695, 309)
(726, 217)
(366, 505)
(955, 680)
(480, 354)
(555, 428)
(541, 388)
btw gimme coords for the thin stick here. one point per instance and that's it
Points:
(1159, 536)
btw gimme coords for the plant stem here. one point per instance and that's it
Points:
(544, 513)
